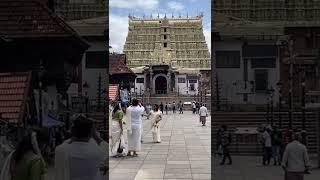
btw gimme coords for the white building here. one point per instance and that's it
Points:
(247, 62)
(166, 80)
(94, 62)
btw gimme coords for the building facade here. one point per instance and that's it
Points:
(174, 49)
(247, 62)
(81, 9)
(269, 10)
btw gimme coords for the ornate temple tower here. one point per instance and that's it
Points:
(167, 54)
(177, 42)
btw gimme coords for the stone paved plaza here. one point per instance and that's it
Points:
(184, 152)
(251, 168)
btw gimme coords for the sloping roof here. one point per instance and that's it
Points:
(14, 89)
(90, 27)
(31, 18)
(117, 65)
(228, 26)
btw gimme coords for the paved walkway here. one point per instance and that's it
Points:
(251, 168)
(184, 152)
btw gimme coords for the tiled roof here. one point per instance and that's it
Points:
(90, 27)
(117, 64)
(30, 18)
(113, 91)
(14, 88)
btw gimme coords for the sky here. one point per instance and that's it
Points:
(120, 9)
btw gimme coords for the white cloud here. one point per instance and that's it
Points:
(118, 26)
(207, 35)
(175, 5)
(133, 4)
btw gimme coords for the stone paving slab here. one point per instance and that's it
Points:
(184, 152)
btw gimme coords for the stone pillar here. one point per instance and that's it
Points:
(151, 83)
(169, 81)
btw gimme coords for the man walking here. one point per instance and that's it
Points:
(193, 107)
(166, 108)
(295, 160)
(161, 107)
(276, 146)
(225, 142)
(180, 108)
(203, 113)
(267, 148)
(174, 107)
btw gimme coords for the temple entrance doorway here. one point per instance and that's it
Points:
(161, 85)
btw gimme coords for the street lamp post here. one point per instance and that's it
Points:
(40, 75)
(271, 104)
(279, 85)
(205, 96)
(86, 87)
(303, 104)
(136, 92)
(291, 84)
(268, 109)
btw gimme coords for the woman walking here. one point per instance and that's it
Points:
(24, 163)
(134, 135)
(116, 130)
(155, 128)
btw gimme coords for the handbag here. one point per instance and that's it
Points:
(154, 128)
(120, 148)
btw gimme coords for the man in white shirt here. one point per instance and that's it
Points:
(135, 135)
(203, 113)
(295, 160)
(267, 150)
(81, 157)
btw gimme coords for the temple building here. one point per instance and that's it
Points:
(81, 9)
(167, 54)
(269, 10)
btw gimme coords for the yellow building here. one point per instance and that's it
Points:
(167, 54)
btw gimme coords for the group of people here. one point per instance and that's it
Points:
(83, 156)
(171, 107)
(127, 128)
(289, 152)
(292, 156)
(195, 107)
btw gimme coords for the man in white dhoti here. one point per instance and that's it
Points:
(156, 117)
(81, 157)
(134, 132)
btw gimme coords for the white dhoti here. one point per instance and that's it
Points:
(115, 137)
(156, 134)
(134, 140)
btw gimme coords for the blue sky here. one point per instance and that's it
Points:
(120, 9)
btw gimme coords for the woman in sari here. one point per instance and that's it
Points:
(24, 163)
(116, 130)
(155, 128)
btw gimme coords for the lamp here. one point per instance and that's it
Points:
(86, 88)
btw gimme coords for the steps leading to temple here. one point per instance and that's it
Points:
(248, 144)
